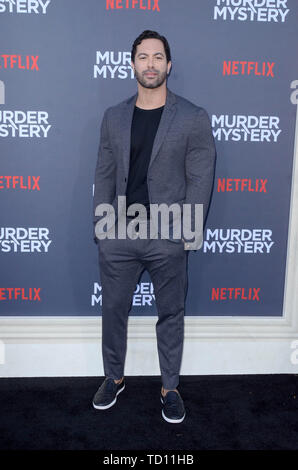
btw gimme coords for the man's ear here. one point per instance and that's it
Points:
(169, 66)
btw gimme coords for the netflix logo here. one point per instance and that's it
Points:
(243, 67)
(12, 61)
(134, 4)
(235, 293)
(241, 184)
(30, 183)
(20, 293)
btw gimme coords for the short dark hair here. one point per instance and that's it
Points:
(147, 34)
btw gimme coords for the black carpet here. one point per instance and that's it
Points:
(236, 412)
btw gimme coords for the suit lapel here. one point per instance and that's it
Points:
(165, 121)
(164, 124)
(126, 130)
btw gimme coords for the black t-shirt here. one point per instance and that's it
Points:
(144, 126)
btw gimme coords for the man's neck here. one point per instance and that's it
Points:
(151, 98)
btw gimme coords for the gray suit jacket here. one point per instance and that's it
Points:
(181, 168)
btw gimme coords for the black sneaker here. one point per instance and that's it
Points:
(106, 395)
(173, 410)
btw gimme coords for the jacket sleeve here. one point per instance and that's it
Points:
(200, 164)
(105, 171)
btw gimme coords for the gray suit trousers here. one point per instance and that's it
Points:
(121, 264)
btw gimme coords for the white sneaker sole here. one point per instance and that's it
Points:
(171, 420)
(105, 407)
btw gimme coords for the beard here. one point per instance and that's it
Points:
(151, 82)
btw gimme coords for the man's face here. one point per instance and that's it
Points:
(150, 66)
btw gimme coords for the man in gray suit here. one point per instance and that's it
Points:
(155, 147)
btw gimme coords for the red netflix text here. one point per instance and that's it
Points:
(20, 293)
(242, 67)
(241, 184)
(30, 183)
(11, 61)
(234, 293)
(140, 4)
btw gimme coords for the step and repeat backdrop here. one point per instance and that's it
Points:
(62, 63)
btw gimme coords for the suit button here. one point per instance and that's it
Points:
(125, 180)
